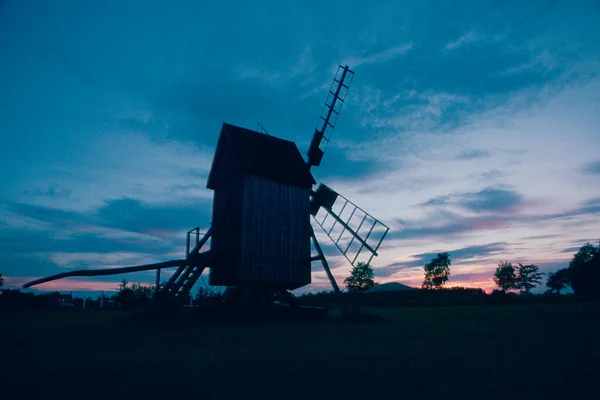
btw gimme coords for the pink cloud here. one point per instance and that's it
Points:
(62, 284)
(481, 280)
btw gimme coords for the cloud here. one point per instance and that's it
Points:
(258, 73)
(301, 68)
(134, 216)
(490, 199)
(54, 191)
(498, 215)
(379, 57)
(122, 232)
(41, 215)
(27, 265)
(453, 228)
(542, 62)
(78, 240)
(389, 270)
(582, 211)
(472, 154)
(458, 255)
(550, 236)
(469, 37)
(472, 266)
(496, 200)
(124, 215)
(72, 284)
(490, 175)
(572, 249)
(437, 201)
(113, 165)
(593, 168)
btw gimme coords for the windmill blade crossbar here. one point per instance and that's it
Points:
(356, 233)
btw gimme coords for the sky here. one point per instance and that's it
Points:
(471, 127)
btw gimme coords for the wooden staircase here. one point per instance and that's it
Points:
(182, 281)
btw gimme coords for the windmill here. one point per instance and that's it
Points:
(261, 236)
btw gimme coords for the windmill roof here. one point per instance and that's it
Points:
(251, 152)
(389, 287)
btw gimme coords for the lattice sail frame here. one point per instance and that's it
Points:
(334, 102)
(351, 228)
(329, 114)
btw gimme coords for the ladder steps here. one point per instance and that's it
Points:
(182, 279)
(192, 279)
(173, 277)
(186, 276)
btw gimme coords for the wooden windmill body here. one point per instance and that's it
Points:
(261, 217)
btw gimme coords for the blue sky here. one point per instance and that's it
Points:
(471, 127)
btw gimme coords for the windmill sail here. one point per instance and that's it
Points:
(331, 110)
(356, 233)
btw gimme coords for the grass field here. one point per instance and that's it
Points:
(526, 351)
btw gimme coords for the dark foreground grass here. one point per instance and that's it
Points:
(526, 351)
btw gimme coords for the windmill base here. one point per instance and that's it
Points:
(260, 296)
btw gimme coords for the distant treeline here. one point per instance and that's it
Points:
(581, 278)
(15, 299)
(128, 296)
(456, 296)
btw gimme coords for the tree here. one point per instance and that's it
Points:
(1, 280)
(437, 271)
(505, 277)
(360, 279)
(134, 294)
(558, 280)
(125, 293)
(584, 271)
(528, 277)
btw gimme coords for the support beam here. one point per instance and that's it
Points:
(321, 257)
(157, 284)
(111, 271)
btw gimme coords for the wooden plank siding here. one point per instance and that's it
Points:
(261, 234)
(275, 233)
(226, 233)
(261, 218)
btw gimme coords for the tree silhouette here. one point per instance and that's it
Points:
(437, 271)
(584, 271)
(360, 279)
(1, 280)
(125, 293)
(505, 277)
(528, 277)
(558, 280)
(134, 294)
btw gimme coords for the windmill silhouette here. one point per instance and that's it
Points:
(261, 235)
